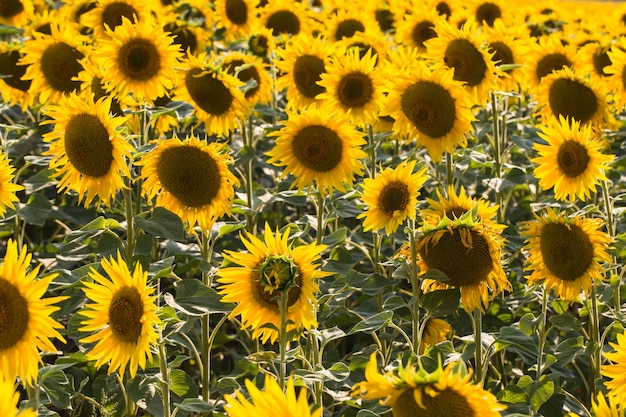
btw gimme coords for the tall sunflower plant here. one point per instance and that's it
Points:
(312, 209)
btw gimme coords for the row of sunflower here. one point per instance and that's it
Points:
(412, 182)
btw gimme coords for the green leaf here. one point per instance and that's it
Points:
(336, 237)
(228, 228)
(436, 274)
(441, 302)
(510, 336)
(565, 322)
(326, 335)
(540, 392)
(144, 391)
(228, 385)
(162, 223)
(194, 405)
(36, 210)
(56, 385)
(338, 372)
(182, 385)
(513, 394)
(568, 349)
(196, 299)
(529, 324)
(373, 323)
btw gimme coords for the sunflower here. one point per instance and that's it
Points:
(617, 369)
(412, 391)
(613, 408)
(261, 42)
(7, 187)
(263, 273)
(123, 316)
(9, 400)
(189, 178)
(138, 58)
(418, 27)
(454, 206)
(302, 62)
(248, 68)
(25, 322)
(16, 13)
(363, 43)
(617, 72)
(270, 402)
(392, 197)
(285, 18)
(571, 161)
(563, 93)
(237, 17)
(594, 59)
(565, 253)
(320, 149)
(464, 52)
(430, 106)
(88, 152)
(190, 38)
(354, 87)
(435, 331)
(109, 14)
(488, 12)
(215, 95)
(13, 90)
(544, 56)
(346, 21)
(469, 253)
(53, 62)
(93, 87)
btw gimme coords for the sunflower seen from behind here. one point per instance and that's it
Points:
(121, 315)
(9, 400)
(571, 161)
(26, 322)
(565, 253)
(391, 197)
(257, 278)
(318, 150)
(190, 178)
(412, 391)
(429, 106)
(89, 153)
(138, 58)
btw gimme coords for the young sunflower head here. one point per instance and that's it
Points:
(430, 106)
(469, 253)
(565, 253)
(571, 161)
(26, 324)
(122, 313)
(392, 197)
(138, 58)
(318, 149)
(189, 178)
(263, 275)
(88, 152)
(412, 391)
(9, 400)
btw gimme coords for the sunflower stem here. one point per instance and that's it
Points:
(205, 353)
(320, 217)
(282, 338)
(165, 378)
(130, 226)
(415, 287)
(477, 315)
(595, 335)
(248, 146)
(542, 332)
(497, 154)
(128, 402)
(449, 170)
(372, 149)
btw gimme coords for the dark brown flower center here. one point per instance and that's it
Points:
(208, 92)
(258, 45)
(113, 13)
(125, 312)
(183, 37)
(394, 196)
(385, 19)
(444, 9)
(487, 13)
(14, 315)
(468, 63)
(572, 158)
(245, 75)
(422, 32)
(464, 266)
(430, 108)
(307, 72)
(12, 72)
(269, 300)
(139, 59)
(318, 148)
(567, 252)
(355, 89)
(87, 145)
(191, 175)
(237, 11)
(572, 99)
(283, 22)
(445, 403)
(601, 60)
(347, 28)
(10, 8)
(550, 63)
(502, 54)
(59, 65)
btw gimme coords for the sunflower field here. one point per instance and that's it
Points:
(316, 208)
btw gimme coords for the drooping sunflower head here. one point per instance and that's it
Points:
(571, 161)
(353, 87)
(318, 150)
(412, 391)
(53, 63)
(190, 178)
(565, 254)
(25, 317)
(237, 17)
(88, 150)
(392, 197)
(215, 95)
(468, 252)
(430, 106)
(109, 14)
(139, 59)
(272, 269)
(565, 94)
(286, 18)
(302, 62)
(249, 68)
(122, 313)
(464, 52)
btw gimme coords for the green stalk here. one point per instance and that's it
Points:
(320, 218)
(165, 378)
(130, 226)
(205, 351)
(283, 343)
(449, 170)
(542, 332)
(595, 336)
(497, 154)
(478, 341)
(415, 288)
(128, 403)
